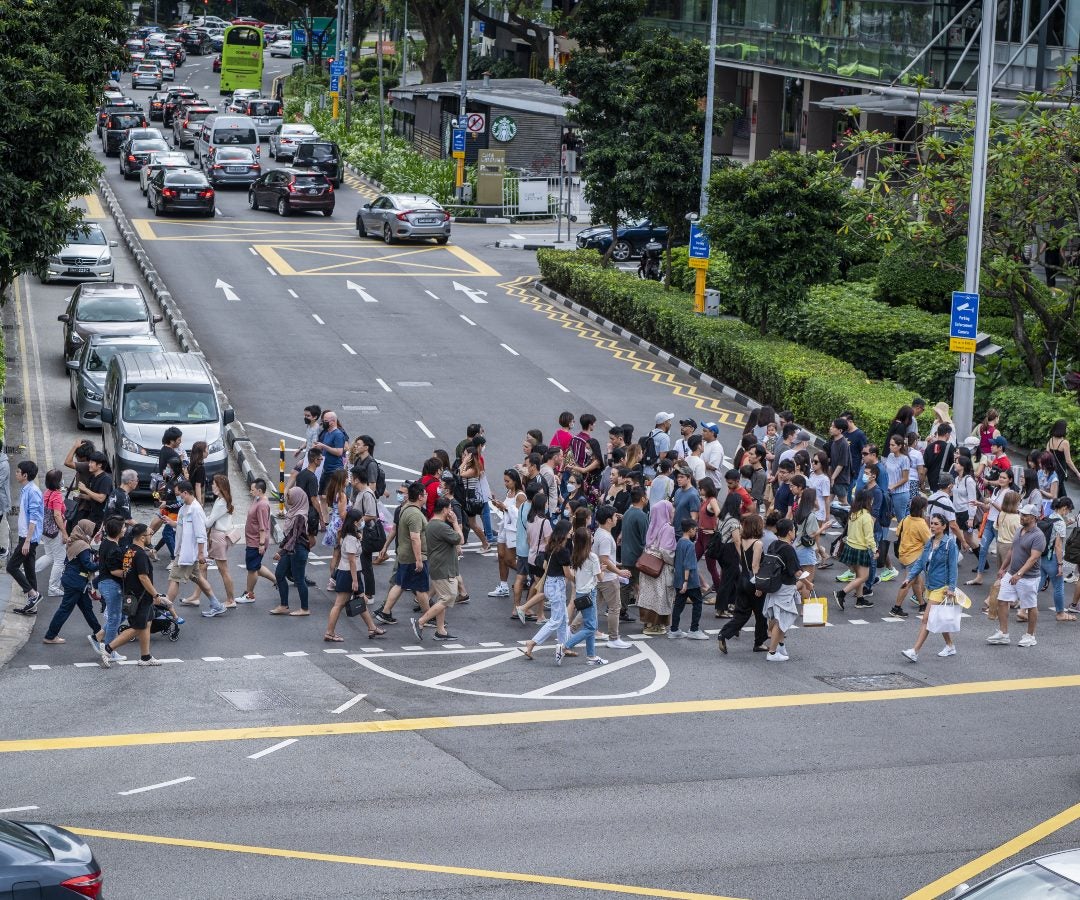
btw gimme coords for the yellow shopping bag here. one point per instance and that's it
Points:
(815, 611)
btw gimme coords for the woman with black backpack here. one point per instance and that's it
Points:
(724, 548)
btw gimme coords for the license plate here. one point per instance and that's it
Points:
(263, 120)
(427, 220)
(187, 193)
(313, 190)
(81, 271)
(235, 168)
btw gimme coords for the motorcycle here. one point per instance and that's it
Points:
(649, 267)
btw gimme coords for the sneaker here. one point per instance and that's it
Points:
(675, 633)
(595, 661)
(117, 657)
(948, 650)
(998, 638)
(722, 645)
(244, 598)
(863, 603)
(619, 644)
(1028, 640)
(520, 613)
(104, 657)
(898, 612)
(868, 591)
(417, 608)
(502, 590)
(560, 651)
(417, 629)
(775, 657)
(845, 576)
(150, 662)
(218, 610)
(94, 643)
(840, 599)
(696, 635)
(781, 650)
(465, 599)
(887, 574)
(385, 618)
(444, 637)
(910, 654)
(1071, 577)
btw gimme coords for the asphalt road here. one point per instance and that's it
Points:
(673, 771)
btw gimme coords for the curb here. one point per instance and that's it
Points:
(541, 245)
(659, 352)
(235, 434)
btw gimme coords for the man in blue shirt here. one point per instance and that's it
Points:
(31, 519)
(686, 499)
(332, 443)
(687, 583)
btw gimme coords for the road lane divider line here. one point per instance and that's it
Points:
(349, 350)
(273, 749)
(158, 786)
(293, 294)
(509, 349)
(253, 251)
(431, 295)
(425, 429)
(271, 271)
(561, 387)
(317, 319)
(468, 320)
(16, 809)
(384, 385)
(348, 704)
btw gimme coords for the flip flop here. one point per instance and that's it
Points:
(973, 583)
(378, 632)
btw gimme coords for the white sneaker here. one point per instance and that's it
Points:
(218, 610)
(910, 654)
(947, 650)
(150, 662)
(675, 633)
(696, 636)
(244, 598)
(117, 657)
(595, 661)
(501, 590)
(601, 635)
(619, 644)
(775, 657)
(998, 638)
(782, 651)
(1028, 640)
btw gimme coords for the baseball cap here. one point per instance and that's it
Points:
(712, 426)
(1029, 509)
(999, 441)
(804, 436)
(689, 423)
(662, 417)
(944, 480)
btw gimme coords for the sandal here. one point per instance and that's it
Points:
(525, 653)
(1021, 618)
(378, 632)
(333, 638)
(974, 582)
(1065, 617)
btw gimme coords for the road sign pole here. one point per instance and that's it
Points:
(699, 291)
(464, 92)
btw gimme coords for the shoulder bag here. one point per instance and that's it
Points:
(650, 562)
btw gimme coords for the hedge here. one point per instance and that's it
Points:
(813, 385)
(905, 278)
(1028, 413)
(928, 373)
(717, 276)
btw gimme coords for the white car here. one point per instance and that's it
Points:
(85, 257)
(162, 159)
(168, 70)
(281, 48)
(285, 138)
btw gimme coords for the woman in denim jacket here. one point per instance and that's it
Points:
(938, 561)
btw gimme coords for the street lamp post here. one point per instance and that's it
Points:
(460, 179)
(706, 155)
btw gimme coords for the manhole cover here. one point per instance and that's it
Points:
(251, 701)
(887, 681)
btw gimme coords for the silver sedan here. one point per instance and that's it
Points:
(285, 138)
(404, 217)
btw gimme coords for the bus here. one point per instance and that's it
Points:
(241, 58)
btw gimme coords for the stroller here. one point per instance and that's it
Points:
(840, 513)
(167, 622)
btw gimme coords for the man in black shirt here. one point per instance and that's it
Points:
(138, 583)
(170, 448)
(839, 458)
(94, 494)
(308, 482)
(939, 455)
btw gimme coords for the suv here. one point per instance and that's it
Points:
(240, 99)
(321, 156)
(172, 101)
(196, 41)
(124, 104)
(266, 114)
(116, 128)
(186, 125)
(146, 75)
(290, 190)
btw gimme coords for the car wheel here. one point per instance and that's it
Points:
(149, 205)
(79, 423)
(388, 235)
(328, 213)
(622, 251)
(283, 207)
(442, 240)
(43, 276)
(159, 209)
(253, 201)
(211, 212)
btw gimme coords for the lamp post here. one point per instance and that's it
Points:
(460, 178)
(706, 156)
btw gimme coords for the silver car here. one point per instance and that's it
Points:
(285, 138)
(170, 159)
(1056, 875)
(87, 372)
(233, 165)
(85, 257)
(404, 217)
(146, 75)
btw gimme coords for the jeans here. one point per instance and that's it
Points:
(588, 629)
(1057, 582)
(21, 568)
(168, 537)
(901, 503)
(694, 596)
(73, 596)
(52, 553)
(989, 533)
(293, 563)
(485, 517)
(555, 592)
(114, 605)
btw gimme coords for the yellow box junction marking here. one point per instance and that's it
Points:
(495, 875)
(94, 209)
(569, 320)
(357, 259)
(299, 232)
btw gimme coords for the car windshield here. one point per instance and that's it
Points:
(321, 151)
(94, 237)
(197, 115)
(13, 834)
(309, 180)
(1032, 882)
(111, 309)
(235, 154)
(101, 355)
(235, 136)
(150, 404)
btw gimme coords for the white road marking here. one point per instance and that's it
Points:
(218, 212)
(424, 428)
(335, 650)
(482, 644)
(295, 437)
(381, 709)
(348, 703)
(853, 622)
(412, 647)
(254, 656)
(364, 295)
(88, 665)
(271, 271)
(384, 386)
(587, 675)
(509, 349)
(273, 748)
(14, 809)
(294, 653)
(253, 251)
(471, 667)
(293, 294)
(474, 294)
(230, 294)
(154, 787)
(349, 350)
(39, 668)
(468, 320)
(517, 237)
(317, 319)
(414, 384)
(610, 424)
(559, 386)
(213, 659)
(431, 295)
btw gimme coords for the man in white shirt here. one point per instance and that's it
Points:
(693, 460)
(712, 453)
(802, 442)
(686, 428)
(607, 587)
(190, 557)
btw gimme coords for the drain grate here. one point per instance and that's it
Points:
(252, 701)
(887, 681)
(11, 401)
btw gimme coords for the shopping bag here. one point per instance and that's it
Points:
(815, 611)
(944, 618)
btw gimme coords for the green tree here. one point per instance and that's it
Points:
(53, 60)
(777, 220)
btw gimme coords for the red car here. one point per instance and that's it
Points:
(217, 63)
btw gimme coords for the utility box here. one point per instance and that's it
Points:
(712, 303)
(490, 171)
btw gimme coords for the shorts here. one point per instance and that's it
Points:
(807, 556)
(408, 579)
(445, 590)
(324, 478)
(522, 566)
(142, 615)
(253, 559)
(181, 573)
(343, 581)
(1025, 593)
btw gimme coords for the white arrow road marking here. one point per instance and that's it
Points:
(472, 293)
(230, 294)
(364, 295)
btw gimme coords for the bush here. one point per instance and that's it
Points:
(866, 271)
(905, 278)
(928, 373)
(1028, 413)
(813, 385)
(717, 276)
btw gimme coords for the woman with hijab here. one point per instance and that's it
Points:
(656, 596)
(292, 554)
(81, 563)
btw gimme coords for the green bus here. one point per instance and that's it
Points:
(241, 58)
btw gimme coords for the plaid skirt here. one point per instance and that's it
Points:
(851, 557)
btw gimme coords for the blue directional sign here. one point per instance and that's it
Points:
(337, 67)
(335, 82)
(299, 36)
(459, 140)
(699, 247)
(964, 322)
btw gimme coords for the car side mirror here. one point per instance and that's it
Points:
(157, 317)
(63, 317)
(73, 365)
(107, 416)
(228, 416)
(114, 243)
(366, 206)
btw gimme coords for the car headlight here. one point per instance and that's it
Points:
(91, 390)
(216, 447)
(76, 338)
(106, 260)
(130, 446)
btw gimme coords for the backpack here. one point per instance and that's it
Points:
(579, 451)
(649, 456)
(380, 480)
(1072, 547)
(1046, 526)
(770, 574)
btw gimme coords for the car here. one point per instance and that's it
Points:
(135, 153)
(114, 131)
(41, 860)
(631, 237)
(86, 256)
(116, 309)
(281, 48)
(241, 98)
(180, 190)
(172, 102)
(321, 156)
(233, 165)
(135, 45)
(155, 109)
(205, 21)
(170, 159)
(176, 52)
(285, 138)
(196, 41)
(168, 70)
(187, 124)
(216, 66)
(87, 372)
(404, 217)
(217, 42)
(156, 53)
(265, 113)
(146, 75)
(125, 104)
(1054, 875)
(292, 190)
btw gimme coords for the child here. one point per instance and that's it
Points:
(770, 441)
(687, 584)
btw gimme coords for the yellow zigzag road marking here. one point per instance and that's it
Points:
(568, 320)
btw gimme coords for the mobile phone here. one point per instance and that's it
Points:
(802, 575)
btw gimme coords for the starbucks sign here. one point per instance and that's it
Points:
(503, 129)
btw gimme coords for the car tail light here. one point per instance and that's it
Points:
(207, 194)
(131, 158)
(85, 885)
(329, 188)
(255, 166)
(217, 166)
(168, 192)
(445, 216)
(185, 125)
(292, 186)
(403, 216)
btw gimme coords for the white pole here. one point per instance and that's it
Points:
(964, 383)
(710, 91)
(464, 78)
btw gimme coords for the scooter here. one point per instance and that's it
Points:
(649, 267)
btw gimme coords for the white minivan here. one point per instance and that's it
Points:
(225, 131)
(146, 394)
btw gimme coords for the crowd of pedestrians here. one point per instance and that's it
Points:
(591, 535)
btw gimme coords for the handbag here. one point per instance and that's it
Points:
(650, 562)
(944, 618)
(356, 606)
(582, 601)
(131, 604)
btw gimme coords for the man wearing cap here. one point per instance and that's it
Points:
(1019, 578)
(941, 503)
(712, 453)
(802, 442)
(686, 428)
(998, 457)
(660, 438)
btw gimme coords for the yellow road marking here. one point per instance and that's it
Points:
(659, 375)
(537, 716)
(481, 267)
(28, 403)
(355, 259)
(225, 232)
(94, 209)
(495, 875)
(1010, 848)
(274, 259)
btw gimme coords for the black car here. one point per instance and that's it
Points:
(114, 133)
(180, 190)
(196, 41)
(321, 156)
(176, 52)
(136, 153)
(172, 103)
(123, 104)
(46, 862)
(629, 241)
(291, 190)
(156, 106)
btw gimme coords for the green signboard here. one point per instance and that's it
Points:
(323, 35)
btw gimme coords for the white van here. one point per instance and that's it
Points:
(225, 131)
(146, 394)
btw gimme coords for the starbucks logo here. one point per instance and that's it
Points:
(504, 128)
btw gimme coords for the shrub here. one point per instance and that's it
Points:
(866, 271)
(717, 276)
(813, 385)
(928, 373)
(1028, 413)
(905, 277)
